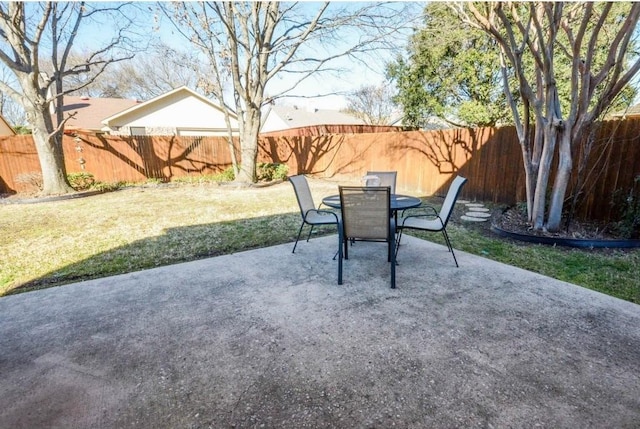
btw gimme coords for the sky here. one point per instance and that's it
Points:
(354, 74)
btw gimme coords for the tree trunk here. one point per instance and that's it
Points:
(50, 155)
(565, 165)
(246, 173)
(544, 171)
(530, 178)
(249, 131)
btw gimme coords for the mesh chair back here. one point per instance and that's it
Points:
(387, 178)
(303, 193)
(450, 199)
(365, 212)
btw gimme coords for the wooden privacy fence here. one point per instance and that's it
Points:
(490, 158)
(426, 161)
(116, 158)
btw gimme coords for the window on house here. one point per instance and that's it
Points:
(138, 131)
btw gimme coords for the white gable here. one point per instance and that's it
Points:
(178, 112)
(187, 112)
(274, 122)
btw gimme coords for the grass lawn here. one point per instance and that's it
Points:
(53, 243)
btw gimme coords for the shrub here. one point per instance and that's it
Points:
(629, 202)
(81, 181)
(271, 171)
(227, 175)
(106, 187)
(265, 172)
(84, 181)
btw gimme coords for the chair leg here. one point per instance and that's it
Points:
(339, 243)
(392, 248)
(399, 232)
(448, 241)
(310, 231)
(340, 240)
(346, 241)
(298, 238)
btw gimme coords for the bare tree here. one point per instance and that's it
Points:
(9, 109)
(248, 44)
(154, 72)
(36, 41)
(373, 104)
(532, 36)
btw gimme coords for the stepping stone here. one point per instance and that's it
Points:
(473, 219)
(478, 215)
(462, 201)
(478, 209)
(474, 205)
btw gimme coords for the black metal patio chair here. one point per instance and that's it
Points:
(366, 216)
(427, 218)
(386, 178)
(310, 214)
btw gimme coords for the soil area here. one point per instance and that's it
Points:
(514, 220)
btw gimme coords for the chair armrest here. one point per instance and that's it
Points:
(432, 217)
(323, 212)
(420, 211)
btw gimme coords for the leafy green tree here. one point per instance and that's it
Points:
(450, 72)
(563, 66)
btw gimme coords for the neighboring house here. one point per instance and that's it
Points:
(430, 123)
(180, 112)
(5, 128)
(436, 123)
(397, 119)
(88, 112)
(278, 118)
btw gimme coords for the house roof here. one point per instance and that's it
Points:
(295, 117)
(160, 100)
(629, 112)
(91, 111)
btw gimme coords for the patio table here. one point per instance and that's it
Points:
(398, 202)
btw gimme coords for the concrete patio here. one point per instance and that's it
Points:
(267, 339)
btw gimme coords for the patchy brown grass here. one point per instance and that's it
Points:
(54, 243)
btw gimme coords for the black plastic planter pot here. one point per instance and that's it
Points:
(568, 242)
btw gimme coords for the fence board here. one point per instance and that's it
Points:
(18, 161)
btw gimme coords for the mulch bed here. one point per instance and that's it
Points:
(514, 220)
